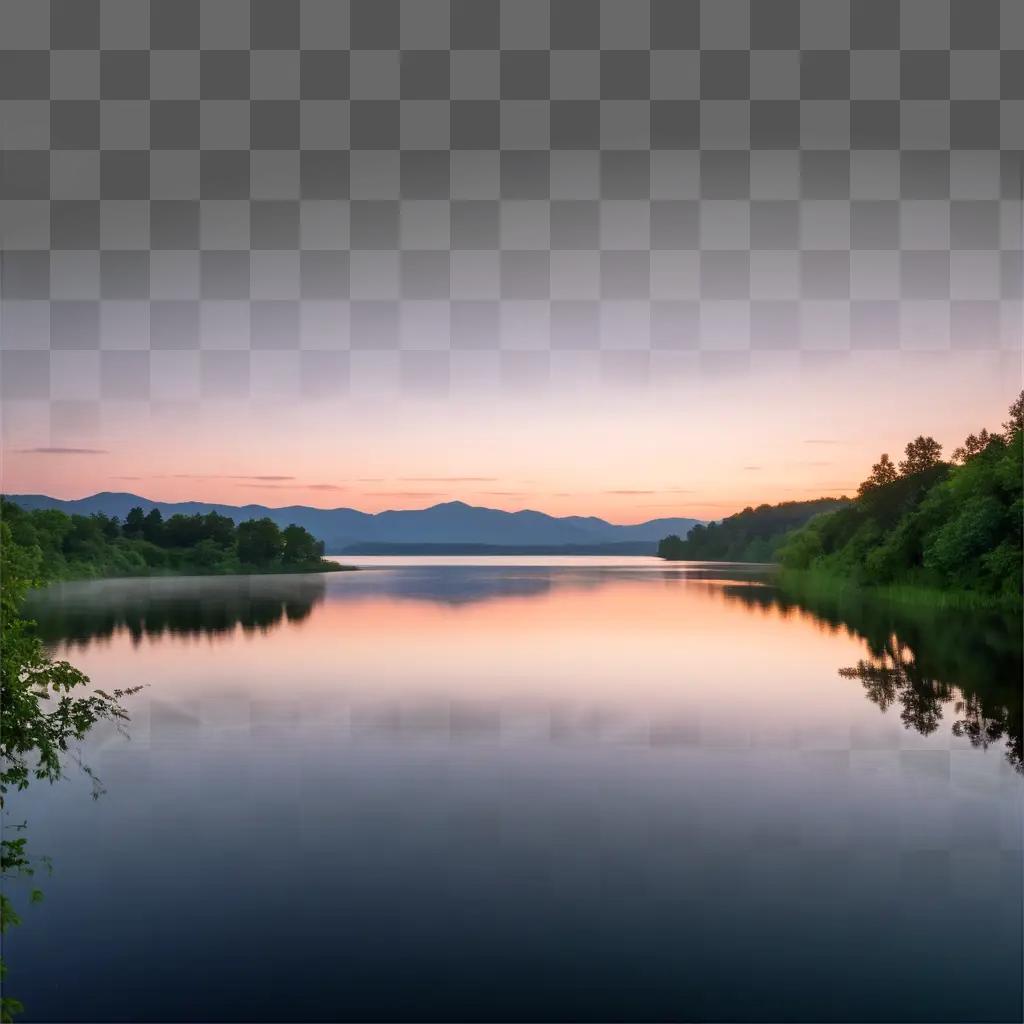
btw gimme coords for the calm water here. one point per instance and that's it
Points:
(565, 789)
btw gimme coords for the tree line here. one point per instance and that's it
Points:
(948, 525)
(752, 535)
(952, 525)
(62, 546)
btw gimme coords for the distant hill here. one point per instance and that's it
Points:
(443, 527)
(752, 535)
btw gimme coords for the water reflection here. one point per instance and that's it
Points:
(933, 665)
(81, 612)
(926, 661)
(85, 610)
(575, 792)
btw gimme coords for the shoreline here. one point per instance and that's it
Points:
(815, 582)
(199, 574)
(810, 582)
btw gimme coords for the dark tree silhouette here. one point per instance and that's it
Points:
(1016, 420)
(134, 522)
(882, 472)
(922, 453)
(973, 445)
(220, 529)
(259, 541)
(153, 526)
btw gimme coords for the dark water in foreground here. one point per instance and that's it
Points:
(595, 790)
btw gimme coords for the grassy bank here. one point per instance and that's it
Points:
(816, 584)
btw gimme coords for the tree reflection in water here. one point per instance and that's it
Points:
(80, 613)
(925, 660)
(929, 662)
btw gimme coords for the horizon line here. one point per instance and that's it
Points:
(11, 496)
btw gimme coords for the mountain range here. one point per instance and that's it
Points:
(450, 527)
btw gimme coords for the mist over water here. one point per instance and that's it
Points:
(573, 788)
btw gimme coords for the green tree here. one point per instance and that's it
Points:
(753, 535)
(86, 539)
(259, 542)
(882, 472)
(39, 715)
(948, 527)
(135, 522)
(109, 526)
(207, 555)
(300, 547)
(51, 527)
(153, 526)
(922, 453)
(219, 529)
(976, 527)
(182, 531)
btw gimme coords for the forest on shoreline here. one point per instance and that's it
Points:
(59, 546)
(925, 524)
(753, 535)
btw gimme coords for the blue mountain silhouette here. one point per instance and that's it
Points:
(451, 524)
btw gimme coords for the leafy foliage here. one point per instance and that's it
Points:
(41, 711)
(260, 543)
(937, 525)
(752, 535)
(76, 546)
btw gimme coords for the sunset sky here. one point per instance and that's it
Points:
(627, 258)
(703, 443)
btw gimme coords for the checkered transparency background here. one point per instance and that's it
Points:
(297, 198)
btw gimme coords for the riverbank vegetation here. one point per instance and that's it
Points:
(947, 527)
(923, 530)
(58, 546)
(43, 711)
(753, 535)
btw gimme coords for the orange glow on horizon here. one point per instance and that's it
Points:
(704, 447)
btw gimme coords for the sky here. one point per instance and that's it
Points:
(706, 444)
(631, 258)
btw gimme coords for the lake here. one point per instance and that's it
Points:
(537, 788)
